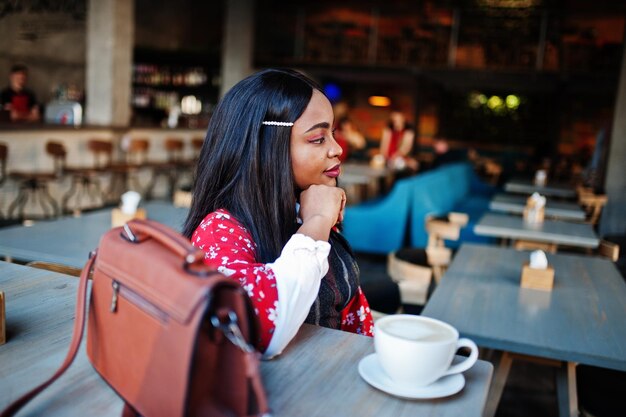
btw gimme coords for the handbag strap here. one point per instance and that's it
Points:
(252, 371)
(227, 323)
(77, 336)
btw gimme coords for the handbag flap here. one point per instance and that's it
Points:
(156, 273)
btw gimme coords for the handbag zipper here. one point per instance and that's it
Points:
(135, 299)
(116, 290)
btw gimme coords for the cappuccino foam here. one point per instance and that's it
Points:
(422, 331)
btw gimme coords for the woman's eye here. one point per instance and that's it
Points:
(318, 140)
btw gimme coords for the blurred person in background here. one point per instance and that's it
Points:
(397, 141)
(16, 99)
(445, 155)
(348, 137)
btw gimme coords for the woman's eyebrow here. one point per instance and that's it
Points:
(322, 125)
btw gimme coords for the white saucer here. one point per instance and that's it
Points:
(371, 371)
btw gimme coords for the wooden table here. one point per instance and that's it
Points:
(317, 375)
(580, 321)
(69, 240)
(515, 204)
(551, 189)
(550, 231)
(363, 182)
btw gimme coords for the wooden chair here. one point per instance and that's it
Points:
(444, 228)
(441, 229)
(49, 266)
(493, 171)
(33, 185)
(593, 205)
(413, 268)
(609, 250)
(409, 269)
(582, 191)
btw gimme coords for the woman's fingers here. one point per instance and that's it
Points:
(343, 206)
(322, 200)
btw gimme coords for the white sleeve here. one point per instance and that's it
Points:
(298, 270)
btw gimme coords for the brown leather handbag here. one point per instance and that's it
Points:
(170, 335)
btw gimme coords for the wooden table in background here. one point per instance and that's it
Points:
(550, 190)
(549, 231)
(68, 240)
(316, 375)
(363, 182)
(580, 321)
(515, 204)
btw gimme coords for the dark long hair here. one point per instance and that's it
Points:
(245, 166)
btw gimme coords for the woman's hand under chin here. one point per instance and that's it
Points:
(321, 207)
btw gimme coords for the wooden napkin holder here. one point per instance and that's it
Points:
(182, 198)
(118, 218)
(538, 279)
(541, 178)
(3, 323)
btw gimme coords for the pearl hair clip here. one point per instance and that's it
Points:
(272, 123)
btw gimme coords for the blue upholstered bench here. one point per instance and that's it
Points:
(397, 220)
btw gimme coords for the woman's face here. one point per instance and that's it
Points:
(314, 151)
(397, 119)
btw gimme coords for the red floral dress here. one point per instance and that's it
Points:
(230, 249)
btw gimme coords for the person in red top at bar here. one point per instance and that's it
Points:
(19, 101)
(396, 143)
(266, 207)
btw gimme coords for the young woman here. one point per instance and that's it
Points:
(266, 205)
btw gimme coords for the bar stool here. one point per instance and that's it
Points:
(4, 151)
(34, 185)
(124, 175)
(593, 205)
(196, 145)
(170, 169)
(191, 164)
(86, 180)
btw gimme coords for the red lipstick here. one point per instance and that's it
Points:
(333, 172)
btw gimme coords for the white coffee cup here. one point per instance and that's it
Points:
(416, 351)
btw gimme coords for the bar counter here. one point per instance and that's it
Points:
(27, 148)
(27, 142)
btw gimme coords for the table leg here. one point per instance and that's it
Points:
(497, 385)
(566, 390)
(372, 189)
